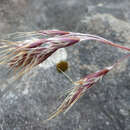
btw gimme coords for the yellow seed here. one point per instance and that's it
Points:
(62, 66)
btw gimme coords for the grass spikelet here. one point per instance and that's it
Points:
(23, 55)
(80, 87)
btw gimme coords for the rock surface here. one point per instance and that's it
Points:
(107, 105)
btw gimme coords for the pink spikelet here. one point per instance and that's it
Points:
(22, 56)
(81, 87)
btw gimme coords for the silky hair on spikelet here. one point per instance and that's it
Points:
(81, 87)
(19, 56)
(22, 55)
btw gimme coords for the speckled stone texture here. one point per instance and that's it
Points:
(104, 107)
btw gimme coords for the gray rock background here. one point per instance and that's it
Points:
(107, 105)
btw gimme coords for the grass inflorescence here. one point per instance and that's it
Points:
(23, 55)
